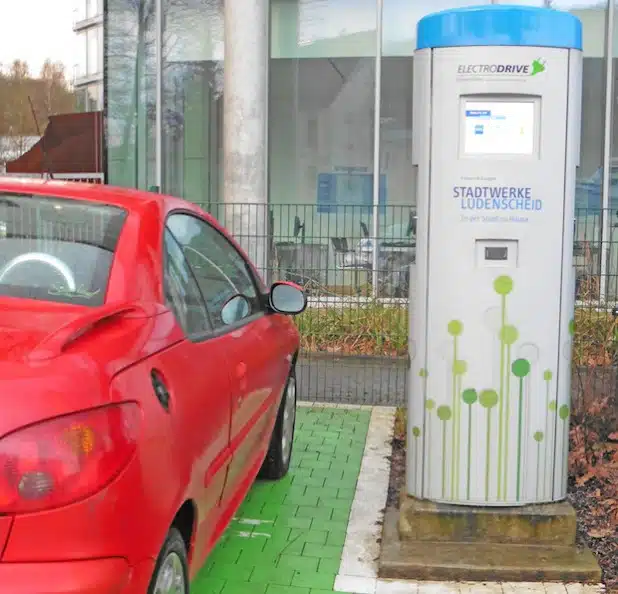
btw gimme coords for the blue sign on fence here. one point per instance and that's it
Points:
(348, 189)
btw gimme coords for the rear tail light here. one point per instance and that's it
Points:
(66, 459)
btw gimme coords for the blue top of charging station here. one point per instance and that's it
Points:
(500, 24)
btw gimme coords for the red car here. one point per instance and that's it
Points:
(146, 378)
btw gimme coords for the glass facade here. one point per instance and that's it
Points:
(325, 102)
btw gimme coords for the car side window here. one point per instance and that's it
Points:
(220, 270)
(182, 293)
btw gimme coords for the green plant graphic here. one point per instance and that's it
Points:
(508, 337)
(547, 377)
(469, 397)
(423, 374)
(538, 437)
(515, 373)
(553, 409)
(563, 412)
(455, 329)
(416, 433)
(445, 414)
(503, 285)
(520, 369)
(429, 406)
(488, 400)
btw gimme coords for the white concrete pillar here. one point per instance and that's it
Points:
(245, 126)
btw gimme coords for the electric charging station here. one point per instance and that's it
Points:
(496, 122)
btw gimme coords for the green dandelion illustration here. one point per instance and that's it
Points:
(459, 368)
(520, 369)
(508, 337)
(503, 286)
(547, 378)
(469, 397)
(430, 404)
(488, 400)
(416, 433)
(538, 437)
(445, 414)
(563, 413)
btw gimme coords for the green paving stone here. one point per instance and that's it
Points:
(235, 587)
(274, 589)
(314, 579)
(302, 500)
(317, 513)
(317, 481)
(298, 550)
(340, 514)
(330, 565)
(271, 574)
(294, 522)
(234, 571)
(314, 536)
(298, 563)
(322, 551)
(207, 584)
(336, 538)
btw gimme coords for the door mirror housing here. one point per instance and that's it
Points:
(287, 298)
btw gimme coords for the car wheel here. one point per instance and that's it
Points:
(277, 460)
(171, 574)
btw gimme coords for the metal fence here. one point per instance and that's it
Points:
(354, 333)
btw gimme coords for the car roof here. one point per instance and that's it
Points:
(129, 199)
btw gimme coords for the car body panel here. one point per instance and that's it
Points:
(203, 448)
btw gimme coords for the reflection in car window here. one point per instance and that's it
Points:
(221, 272)
(182, 294)
(55, 249)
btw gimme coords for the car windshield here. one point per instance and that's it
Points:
(55, 249)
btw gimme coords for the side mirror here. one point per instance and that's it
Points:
(235, 309)
(287, 298)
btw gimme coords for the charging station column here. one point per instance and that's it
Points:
(496, 123)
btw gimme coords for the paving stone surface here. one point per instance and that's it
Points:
(288, 536)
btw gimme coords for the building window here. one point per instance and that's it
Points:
(193, 101)
(93, 48)
(130, 63)
(321, 105)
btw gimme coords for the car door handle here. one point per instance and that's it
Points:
(160, 389)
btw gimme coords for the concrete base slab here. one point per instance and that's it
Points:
(547, 524)
(481, 561)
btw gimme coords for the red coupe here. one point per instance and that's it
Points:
(146, 379)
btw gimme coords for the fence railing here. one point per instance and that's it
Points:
(355, 335)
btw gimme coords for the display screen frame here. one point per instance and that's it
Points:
(488, 115)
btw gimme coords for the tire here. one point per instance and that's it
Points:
(277, 461)
(171, 573)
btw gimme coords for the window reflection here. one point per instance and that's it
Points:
(131, 77)
(192, 100)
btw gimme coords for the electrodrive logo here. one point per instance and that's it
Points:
(536, 67)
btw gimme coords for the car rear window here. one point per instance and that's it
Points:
(54, 249)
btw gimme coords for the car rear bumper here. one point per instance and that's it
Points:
(97, 576)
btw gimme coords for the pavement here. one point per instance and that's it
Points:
(318, 530)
